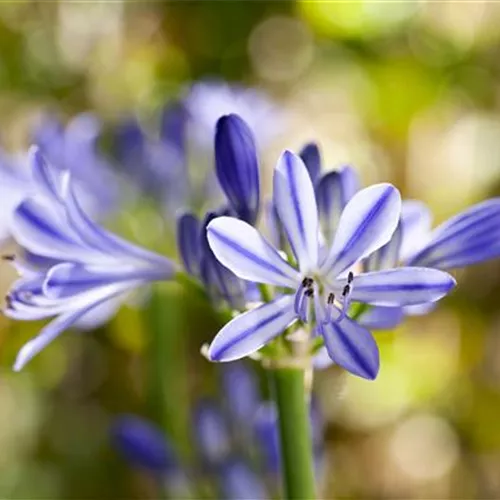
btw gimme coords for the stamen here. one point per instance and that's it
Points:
(9, 257)
(346, 291)
(9, 301)
(350, 277)
(309, 292)
(331, 299)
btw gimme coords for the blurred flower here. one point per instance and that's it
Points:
(367, 223)
(74, 148)
(82, 266)
(15, 183)
(207, 101)
(142, 444)
(240, 482)
(157, 164)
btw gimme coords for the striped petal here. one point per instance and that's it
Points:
(51, 332)
(333, 192)
(49, 181)
(367, 223)
(37, 228)
(296, 205)
(242, 249)
(401, 286)
(248, 332)
(468, 238)
(352, 346)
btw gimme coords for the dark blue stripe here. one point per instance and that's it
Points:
(43, 226)
(246, 333)
(476, 220)
(247, 254)
(403, 287)
(355, 353)
(295, 197)
(361, 229)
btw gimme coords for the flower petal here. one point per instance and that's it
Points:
(311, 157)
(248, 332)
(242, 249)
(50, 333)
(49, 181)
(401, 286)
(467, 238)
(188, 242)
(382, 318)
(333, 192)
(416, 222)
(296, 205)
(387, 256)
(236, 166)
(352, 346)
(38, 229)
(367, 223)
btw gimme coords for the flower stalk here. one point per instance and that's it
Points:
(291, 398)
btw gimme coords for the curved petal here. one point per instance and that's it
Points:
(311, 157)
(367, 223)
(416, 222)
(296, 205)
(242, 249)
(49, 181)
(467, 238)
(387, 256)
(248, 332)
(352, 346)
(333, 192)
(38, 229)
(420, 309)
(401, 286)
(382, 318)
(51, 332)
(188, 242)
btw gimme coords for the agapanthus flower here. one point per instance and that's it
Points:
(322, 286)
(74, 148)
(81, 267)
(238, 173)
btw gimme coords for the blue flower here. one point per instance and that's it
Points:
(240, 482)
(143, 444)
(83, 267)
(74, 148)
(207, 101)
(320, 284)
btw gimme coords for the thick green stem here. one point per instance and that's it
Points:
(295, 433)
(167, 363)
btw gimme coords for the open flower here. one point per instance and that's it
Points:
(81, 267)
(322, 287)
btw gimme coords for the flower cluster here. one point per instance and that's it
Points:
(236, 443)
(341, 260)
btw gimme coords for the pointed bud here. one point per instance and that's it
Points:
(188, 242)
(142, 444)
(312, 159)
(237, 166)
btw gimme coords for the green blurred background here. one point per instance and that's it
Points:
(408, 92)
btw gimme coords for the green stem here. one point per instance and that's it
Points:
(167, 363)
(295, 433)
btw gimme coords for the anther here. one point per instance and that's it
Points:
(350, 277)
(9, 257)
(309, 292)
(331, 299)
(307, 282)
(346, 290)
